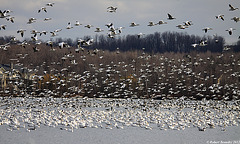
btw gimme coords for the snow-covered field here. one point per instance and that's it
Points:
(82, 120)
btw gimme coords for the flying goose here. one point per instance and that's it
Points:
(50, 4)
(188, 23)
(98, 29)
(230, 30)
(3, 27)
(42, 9)
(85, 43)
(111, 9)
(161, 22)
(109, 25)
(170, 17)
(31, 20)
(120, 29)
(206, 29)
(231, 8)
(10, 19)
(69, 26)
(140, 34)
(88, 26)
(62, 45)
(21, 31)
(4, 14)
(180, 26)
(236, 19)
(47, 19)
(77, 23)
(151, 24)
(133, 24)
(221, 16)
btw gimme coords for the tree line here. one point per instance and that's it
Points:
(157, 42)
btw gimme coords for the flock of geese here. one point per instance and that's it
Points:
(71, 114)
(112, 31)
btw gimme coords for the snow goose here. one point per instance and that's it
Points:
(230, 30)
(21, 31)
(88, 26)
(161, 22)
(77, 23)
(69, 26)
(221, 16)
(133, 24)
(151, 24)
(42, 9)
(188, 23)
(236, 19)
(98, 29)
(10, 19)
(180, 26)
(4, 14)
(109, 25)
(170, 17)
(47, 19)
(231, 8)
(31, 20)
(111, 9)
(140, 34)
(206, 29)
(3, 27)
(62, 45)
(120, 29)
(50, 4)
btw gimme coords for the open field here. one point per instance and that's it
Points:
(84, 120)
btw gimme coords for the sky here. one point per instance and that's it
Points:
(201, 12)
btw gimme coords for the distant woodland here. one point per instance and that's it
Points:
(159, 64)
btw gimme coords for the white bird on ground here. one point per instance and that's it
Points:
(231, 8)
(230, 30)
(221, 16)
(206, 29)
(170, 17)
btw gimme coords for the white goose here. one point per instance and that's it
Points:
(206, 29)
(21, 31)
(133, 24)
(151, 24)
(77, 23)
(231, 8)
(98, 29)
(88, 26)
(236, 19)
(230, 30)
(10, 19)
(161, 22)
(42, 9)
(69, 26)
(221, 16)
(3, 27)
(170, 17)
(50, 4)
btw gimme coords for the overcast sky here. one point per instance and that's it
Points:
(201, 12)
